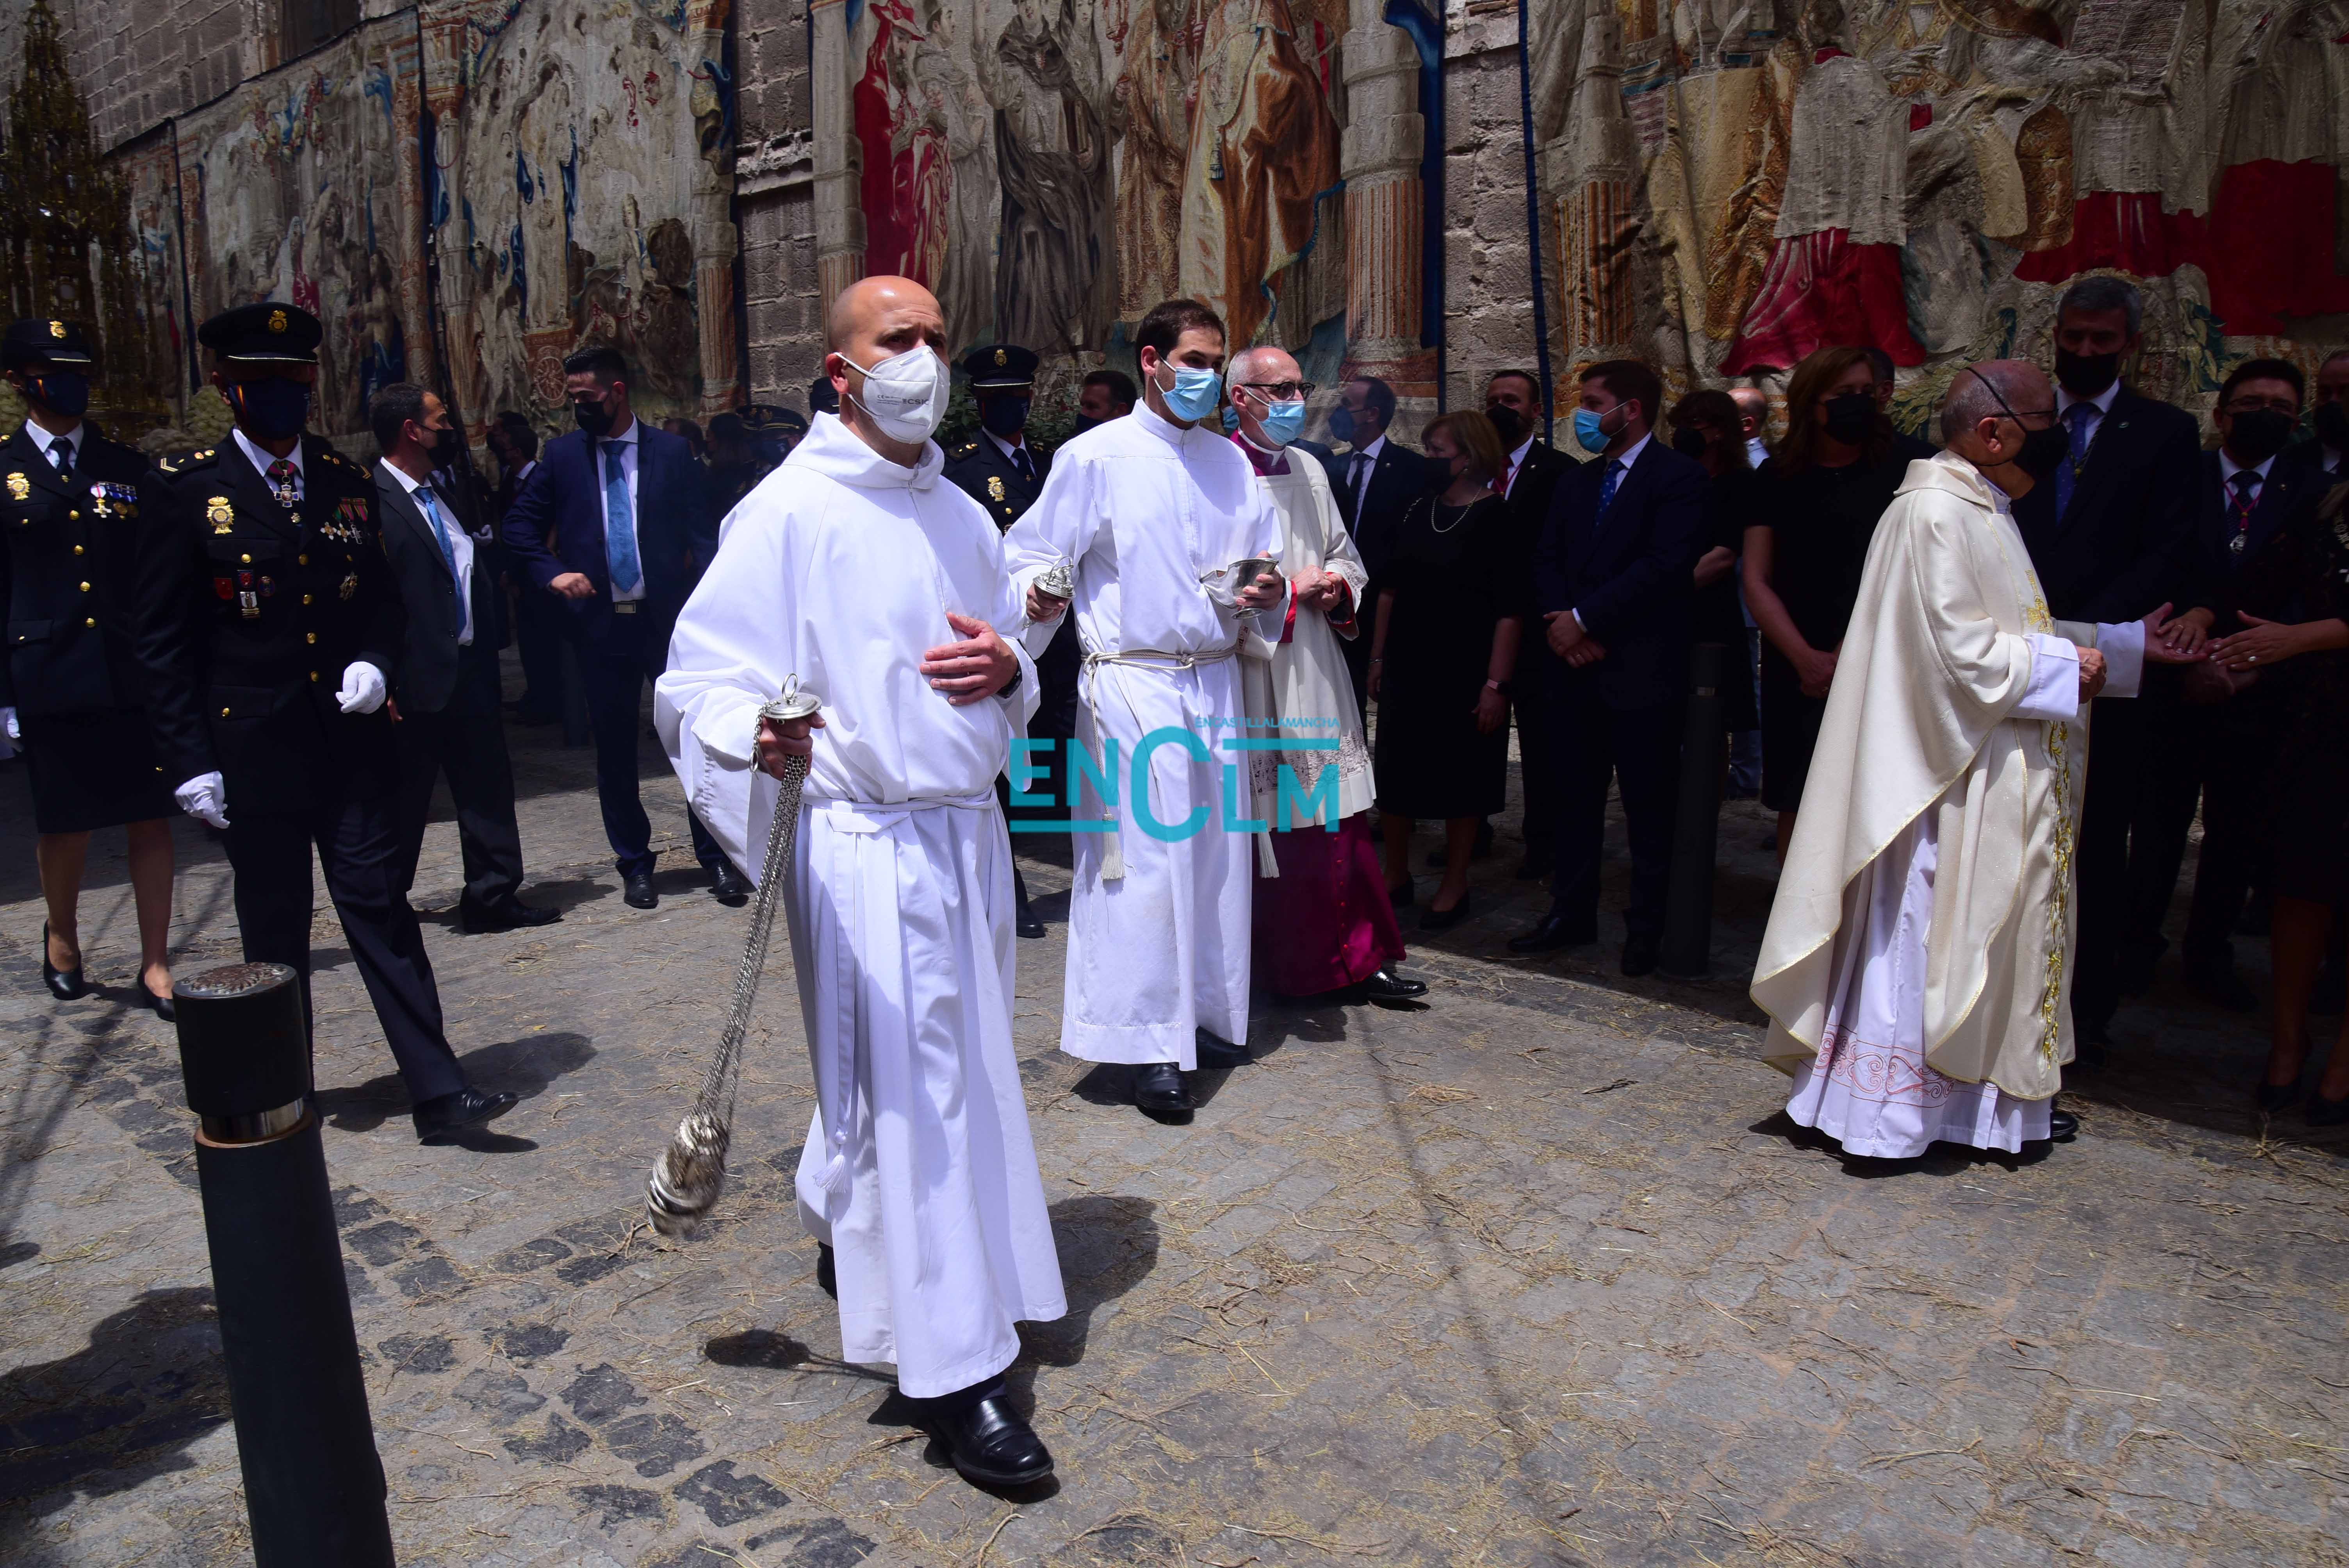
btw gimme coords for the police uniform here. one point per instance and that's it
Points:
(256, 593)
(68, 552)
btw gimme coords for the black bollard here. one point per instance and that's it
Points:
(1687, 947)
(313, 1485)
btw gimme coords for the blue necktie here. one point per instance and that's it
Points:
(448, 553)
(619, 521)
(1607, 486)
(2067, 478)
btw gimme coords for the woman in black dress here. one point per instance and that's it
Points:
(1706, 426)
(69, 692)
(1819, 501)
(2291, 600)
(1453, 603)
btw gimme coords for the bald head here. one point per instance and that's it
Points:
(1753, 410)
(869, 300)
(1266, 362)
(874, 319)
(1995, 388)
(1262, 376)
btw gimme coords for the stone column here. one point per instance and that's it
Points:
(712, 228)
(1385, 207)
(1594, 228)
(839, 217)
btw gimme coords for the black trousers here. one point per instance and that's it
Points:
(539, 620)
(1540, 674)
(2215, 758)
(1638, 748)
(615, 669)
(2118, 728)
(356, 835)
(465, 739)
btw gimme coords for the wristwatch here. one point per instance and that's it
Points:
(1501, 686)
(1013, 683)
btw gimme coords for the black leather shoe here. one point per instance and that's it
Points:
(2270, 1098)
(1387, 989)
(64, 984)
(2323, 1112)
(990, 1444)
(1028, 923)
(1217, 1056)
(1435, 919)
(636, 890)
(1158, 1087)
(487, 919)
(729, 886)
(2219, 984)
(827, 1271)
(441, 1118)
(1639, 954)
(1557, 929)
(163, 1006)
(2062, 1125)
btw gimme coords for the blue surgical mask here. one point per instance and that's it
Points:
(1341, 424)
(272, 409)
(1231, 420)
(1284, 422)
(1587, 430)
(1193, 394)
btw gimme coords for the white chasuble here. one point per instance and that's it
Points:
(1924, 917)
(1146, 514)
(920, 1170)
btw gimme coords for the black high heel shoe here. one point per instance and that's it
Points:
(162, 1004)
(64, 984)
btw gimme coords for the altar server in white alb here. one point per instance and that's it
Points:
(854, 568)
(1917, 966)
(1152, 513)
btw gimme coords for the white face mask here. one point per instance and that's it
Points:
(905, 394)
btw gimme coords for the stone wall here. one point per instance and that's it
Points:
(774, 201)
(1488, 280)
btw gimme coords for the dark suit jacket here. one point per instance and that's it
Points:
(1397, 478)
(2309, 454)
(1629, 574)
(1531, 493)
(67, 565)
(675, 533)
(427, 668)
(978, 468)
(2113, 556)
(248, 612)
(2207, 567)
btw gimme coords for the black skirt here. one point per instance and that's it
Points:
(93, 771)
(1790, 732)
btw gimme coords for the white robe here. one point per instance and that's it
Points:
(919, 1169)
(1158, 930)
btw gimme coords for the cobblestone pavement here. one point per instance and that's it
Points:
(1533, 1275)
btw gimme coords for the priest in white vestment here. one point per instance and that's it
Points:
(853, 567)
(1325, 928)
(1149, 514)
(1917, 966)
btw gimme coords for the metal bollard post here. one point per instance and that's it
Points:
(1687, 947)
(313, 1486)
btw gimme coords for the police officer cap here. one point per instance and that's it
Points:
(771, 418)
(1000, 365)
(264, 330)
(59, 342)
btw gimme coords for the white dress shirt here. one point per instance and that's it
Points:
(460, 545)
(2101, 403)
(2229, 467)
(628, 439)
(48, 441)
(1008, 448)
(1758, 451)
(1361, 461)
(261, 460)
(1517, 465)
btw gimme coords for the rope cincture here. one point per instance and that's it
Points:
(690, 1173)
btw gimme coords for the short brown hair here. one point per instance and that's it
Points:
(1719, 409)
(1630, 382)
(1168, 320)
(1820, 369)
(1474, 436)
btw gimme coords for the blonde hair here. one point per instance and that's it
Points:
(1478, 440)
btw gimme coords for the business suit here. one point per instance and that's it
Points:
(1373, 505)
(1625, 572)
(2111, 555)
(538, 619)
(979, 469)
(248, 612)
(2213, 754)
(67, 560)
(1531, 488)
(448, 693)
(622, 643)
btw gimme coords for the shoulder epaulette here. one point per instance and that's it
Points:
(963, 450)
(180, 465)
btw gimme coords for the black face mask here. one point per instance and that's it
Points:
(67, 391)
(1508, 424)
(592, 418)
(273, 409)
(1004, 417)
(1851, 417)
(448, 447)
(2332, 423)
(2253, 437)
(2085, 375)
(1691, 443)
(2044, 451)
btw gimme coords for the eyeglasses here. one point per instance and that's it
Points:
(2268, 405)
(1282, 391)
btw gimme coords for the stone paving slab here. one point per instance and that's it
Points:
(1534, 1275)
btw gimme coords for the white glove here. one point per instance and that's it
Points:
(8, 728)
(363, 689)
(204, 796)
